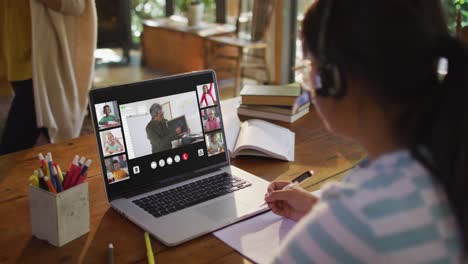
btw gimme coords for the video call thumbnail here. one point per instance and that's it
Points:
(160, 124)
(111, 141)
(207, 95)
(214, 143)
(117, 169)
(107, 115)
(211, 119)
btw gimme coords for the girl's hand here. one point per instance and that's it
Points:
(293, 203)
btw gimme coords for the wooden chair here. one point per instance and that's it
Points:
(243, 50)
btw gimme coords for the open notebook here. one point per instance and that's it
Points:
(256, 137)
(259, 237)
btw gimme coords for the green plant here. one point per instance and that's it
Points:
(182, 5)
(451, 9)
(144, 9)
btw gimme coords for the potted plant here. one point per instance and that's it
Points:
(195, 11)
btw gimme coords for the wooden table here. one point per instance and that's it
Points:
(170, 46)
(316, 149)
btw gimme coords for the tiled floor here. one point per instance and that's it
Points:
(112, 74)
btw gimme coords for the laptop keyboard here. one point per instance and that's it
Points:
(163, 203)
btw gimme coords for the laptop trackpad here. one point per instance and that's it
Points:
(223, 209)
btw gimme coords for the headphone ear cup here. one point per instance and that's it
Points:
(332, 82)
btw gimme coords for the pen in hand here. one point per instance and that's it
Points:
(296, 181)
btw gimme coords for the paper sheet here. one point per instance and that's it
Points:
(258, 238)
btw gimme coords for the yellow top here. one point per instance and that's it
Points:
(15, 40)
(119, 175)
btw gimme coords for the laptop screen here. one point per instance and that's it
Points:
(158, 132)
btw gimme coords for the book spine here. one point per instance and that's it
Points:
(268, 100)
(267, 115)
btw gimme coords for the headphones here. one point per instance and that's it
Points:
(330, 80)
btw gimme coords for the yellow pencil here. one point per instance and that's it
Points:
(149, 249)
(33, 180)
(60, 174)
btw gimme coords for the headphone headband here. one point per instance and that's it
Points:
(330, 81)
(323, 31)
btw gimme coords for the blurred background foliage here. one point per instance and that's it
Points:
(147, 9)
(451, 8)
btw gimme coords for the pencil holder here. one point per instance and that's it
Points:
(59, 218)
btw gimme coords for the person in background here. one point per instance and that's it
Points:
(106, 110)
(212, 123)
(112, 144)
(374, 72)
(118, 173)
(46, 53)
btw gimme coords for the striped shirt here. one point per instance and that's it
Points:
(389, 212)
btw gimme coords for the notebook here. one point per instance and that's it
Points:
(258, 238)
(165, 162)
(257, 137)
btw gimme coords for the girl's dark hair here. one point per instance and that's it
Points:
(395, 46)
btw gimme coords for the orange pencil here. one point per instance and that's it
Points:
(49, 184)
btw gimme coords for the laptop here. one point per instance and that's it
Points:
(174, 181)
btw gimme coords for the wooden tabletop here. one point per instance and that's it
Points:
(316, 149)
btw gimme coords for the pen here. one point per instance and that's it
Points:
(74, 162)
(74, 169)
(82, 160)
(42, 182)
(296, 181)
(59, 172)
(149, 250)
(34, 180)
(82, 176)
(110, 254)
(54, 174)
(43, 163)
(49, 170)
(51, 187)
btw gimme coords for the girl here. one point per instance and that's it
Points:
(373, 66)
(212, 123)
(204, 97)
(113, 144)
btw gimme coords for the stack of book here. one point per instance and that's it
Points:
(274, 102)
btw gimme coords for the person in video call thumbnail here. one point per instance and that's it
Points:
(118, 173)
(207, 92)
(113, 144)
(157, 131)
(214, 145)
(212, 123)
(107, 116)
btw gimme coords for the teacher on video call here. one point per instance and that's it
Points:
(158, 132)
(374, 70)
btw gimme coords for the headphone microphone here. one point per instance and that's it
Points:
(330, 81)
